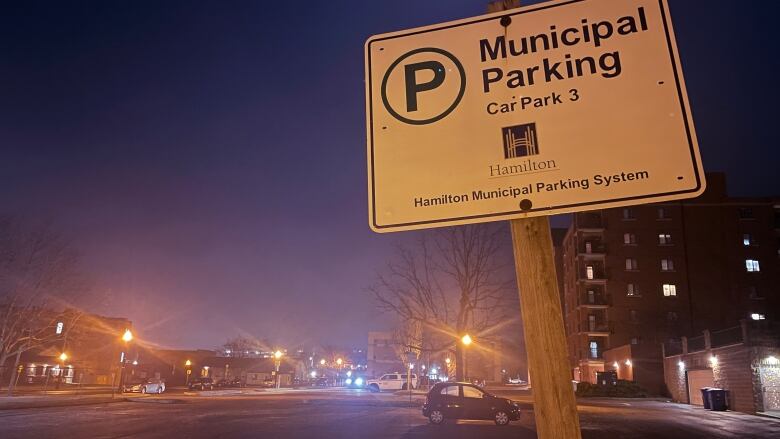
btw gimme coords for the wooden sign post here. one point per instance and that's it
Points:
(555, 408)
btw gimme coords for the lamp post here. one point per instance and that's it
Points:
(188, 371)
(466, 340)
(127, 337)
(278, 362)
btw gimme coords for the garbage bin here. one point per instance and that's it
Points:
(705, 397)
(717, 399)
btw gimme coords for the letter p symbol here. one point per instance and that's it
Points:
(412, 87)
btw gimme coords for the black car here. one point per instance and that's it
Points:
(201, 384)
(235, 382)
(467, 401)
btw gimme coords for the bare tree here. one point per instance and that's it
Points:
(453, 281)
(241, 347)
(39, 285)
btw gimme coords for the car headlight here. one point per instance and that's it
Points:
(348, 381)
(359, 381)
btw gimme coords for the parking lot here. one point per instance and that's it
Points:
(340, 413)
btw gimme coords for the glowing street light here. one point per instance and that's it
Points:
(339, 361)
(127, 336)
(322, 362)
(63, 357)
(466, 340)
(448, 361)
(278, 361)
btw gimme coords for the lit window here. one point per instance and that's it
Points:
(632, 290)
(752, 265)
(670, 290)
(756, 316)
(628, 214)
(664, 239)
(589, 272)
(667, 265)
(747, 239)
(629, 238)
(60, 326)
(631, 264)
(594, 349)
(634, 340)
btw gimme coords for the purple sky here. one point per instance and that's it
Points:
(209, 158)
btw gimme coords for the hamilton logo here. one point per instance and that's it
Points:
(520, 140)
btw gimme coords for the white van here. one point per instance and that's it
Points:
(391, 381)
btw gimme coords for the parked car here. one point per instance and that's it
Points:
(235, 382)
(146, 386)
(467, 401)
(201, 384)
(517, 381)
(322, 382)
(391, 381)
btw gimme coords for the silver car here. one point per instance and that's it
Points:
(147, 386)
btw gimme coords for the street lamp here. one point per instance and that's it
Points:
(339, 361)
(188, 368)
(63, 357)
(322, 362)
(127, 337)
(278, 361)
(466, 340)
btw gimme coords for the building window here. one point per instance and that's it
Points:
(594, 349)
(745, 213)
(634, 340)
(589, 272)
(757, 316)
(629, 239)
(588, 247)
(752, 265)
(631, 264)
(664, 239)
(667, 265)
(633, 315)
(591, 296)
(662, 213)
(747, 239)
(591, 323)
(670, 290)
(632, 290)
(671, 316)
(628, 214)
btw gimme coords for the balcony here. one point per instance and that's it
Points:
(590, 222)
(596, 276)
(596, 329)
(592, 250)
(594, 300)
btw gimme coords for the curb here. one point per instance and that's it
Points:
(155, 400)
(51, 404)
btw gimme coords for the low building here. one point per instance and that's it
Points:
(382, 356)
(744, 360)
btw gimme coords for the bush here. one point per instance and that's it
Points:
(623, 389)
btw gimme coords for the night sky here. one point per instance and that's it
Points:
(208, 158)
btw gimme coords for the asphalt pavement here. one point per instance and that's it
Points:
(341, 413)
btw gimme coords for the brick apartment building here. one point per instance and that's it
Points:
(636, 277)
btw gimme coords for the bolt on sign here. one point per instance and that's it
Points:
(562, 106)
